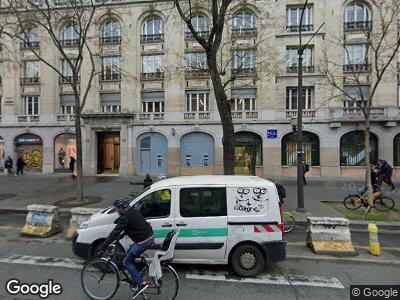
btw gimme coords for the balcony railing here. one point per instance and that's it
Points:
(152, 75)
(296, 28)
(110, 40)
(110, 77)
(65, 118)
(244, 32)
(152, 37)
(356, 67)
(357, 112)
(151, 116)
(197, 115)
(204, 33)
(30, 80)
(67, 79)
(250, 114)
(307, 113)
(29, 45)
(359, 25)
(306, 69)
(198, 73)
(69, 42)
(28, 118)
(244, 71)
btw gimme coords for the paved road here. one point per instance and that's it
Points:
(292, 279)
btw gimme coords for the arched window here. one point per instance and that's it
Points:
(357, 16)
(396, 150)
(64, 148)
(310, 149)
(244, 23)
(201, 25)
(197, 150)
(152, 29)
(31, 37)
(70, 35)
(352, 149)
(30, 147)
(111, 32)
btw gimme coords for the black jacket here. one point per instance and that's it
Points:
(133, 224)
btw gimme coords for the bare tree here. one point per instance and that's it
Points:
(357, 80)
(223, 66)
(48, 17)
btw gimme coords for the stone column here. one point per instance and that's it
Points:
(48, 155)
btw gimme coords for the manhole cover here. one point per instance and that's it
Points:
(73, 202)
(7, 196)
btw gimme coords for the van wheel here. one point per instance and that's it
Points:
(247, 260)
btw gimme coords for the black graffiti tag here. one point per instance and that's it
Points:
(247, 202)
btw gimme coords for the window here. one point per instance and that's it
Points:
(357, 16)
(354, 94)
(202, 202)
(292, 98)
(32, 69)
(30, 105)
(111, 68)
(152, 29)
(67, 104)
(31, 37)
(155, 205)
(293, 16)
(196, 61)
(396, 150)
(352, 149)
(243, 99)
(355, 57)
(244, 23)
(153, 102)
(197, 101)
(111, 32)
(200, 24)
(310, 149)
(292, 60)
(70, 35)
(152, 66)
(110, 102)
(66, 70)
(244, 62)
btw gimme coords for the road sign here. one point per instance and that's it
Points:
(272, 133)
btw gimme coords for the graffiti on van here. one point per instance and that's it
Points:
(250, 200)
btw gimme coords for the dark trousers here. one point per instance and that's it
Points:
(20, 171)
(387, 179)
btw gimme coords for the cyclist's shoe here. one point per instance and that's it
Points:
(140, 290)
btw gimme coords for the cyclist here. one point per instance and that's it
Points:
(132, 223)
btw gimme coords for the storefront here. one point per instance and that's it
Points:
(64, 148)
(248, 153)
(30, 147)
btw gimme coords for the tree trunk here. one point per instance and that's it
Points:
(79, 164)
(367, 158)
(224, 109)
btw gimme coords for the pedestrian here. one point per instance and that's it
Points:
(61, 157)
(8, 164)
(20, 165)
(306, 168)
(385, 174)
(147, 181)
(72, 162)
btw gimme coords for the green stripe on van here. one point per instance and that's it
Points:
(187, 233)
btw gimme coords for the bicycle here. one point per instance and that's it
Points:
(288, 221)
(379, 202)
(101, 277)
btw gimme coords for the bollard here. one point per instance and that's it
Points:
(79, 215)
(374, 247)
(42, 221)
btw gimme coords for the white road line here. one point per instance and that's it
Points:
(60, 262)
(298, 280)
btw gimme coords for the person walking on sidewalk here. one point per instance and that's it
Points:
(385, 174)
(72, 162)
(147, 181)
(306, 169)
(8, 164)
(20, 165)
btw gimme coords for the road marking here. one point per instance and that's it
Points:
(297, 280)
(60, 262)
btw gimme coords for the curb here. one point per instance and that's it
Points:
(343, 259)
(360, 225)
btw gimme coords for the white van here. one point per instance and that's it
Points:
(223, 219)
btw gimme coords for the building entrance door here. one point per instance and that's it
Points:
(108, 154)
(245, 162)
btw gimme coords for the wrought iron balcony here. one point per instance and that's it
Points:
(110, 77)
(30, 80)
(30, 45)
(306, 69)
(296, 28)
(359, 25)
(152, 37)
(110, 40)
(244, 32)
(152, 75)
(356, 68)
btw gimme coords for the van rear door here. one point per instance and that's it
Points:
(202, 217)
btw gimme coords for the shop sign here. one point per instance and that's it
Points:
(28, 139)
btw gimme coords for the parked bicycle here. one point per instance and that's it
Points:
(101, 277)
(379, 202)
(288, 221)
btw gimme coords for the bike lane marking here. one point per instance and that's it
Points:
(296, 280)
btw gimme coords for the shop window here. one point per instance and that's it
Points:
(352, 149)
(310, 149)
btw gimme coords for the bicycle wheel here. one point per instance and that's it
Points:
(352, 202)
(290, 223)
(99, 279)
(383, 203)
(167, 287)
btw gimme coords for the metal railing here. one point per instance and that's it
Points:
(29, 45)
(244, 32)
(306, 69)
(244, 71)
(66, 79)
(204, 33)
(199, 73)
(152, 37)
(110, 40)
(152, 76)
(359, 25)
(69, 42)
(110, 77)
(296, 28)
(30, 80)
(356, 67)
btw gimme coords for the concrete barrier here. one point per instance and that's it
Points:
(79, 215)
(42, 221)
(329, 236)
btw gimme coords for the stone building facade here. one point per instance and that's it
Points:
(158, 115)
